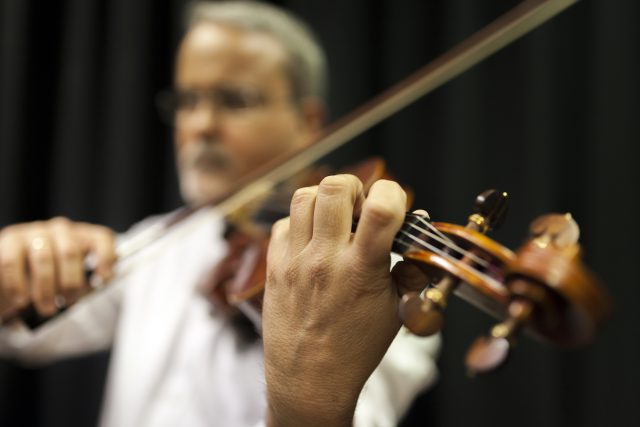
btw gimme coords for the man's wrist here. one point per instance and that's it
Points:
(310, 414)
(310, 401)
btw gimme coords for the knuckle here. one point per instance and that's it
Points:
(8, 232)
(302, 196)
(11, 237)
(31, 228)
(389, 184)
(389, 190)
(338, 184)
(41, 257)
(280, 226)
(59, 222)
(318, 271)
(106, 238)
(379, 213)
(281, 277)
(278, 241)
(291, 274)
(272, 277)
(276, 270)
(69, 254)
(9, 263)
(104, 232)
(94, 232)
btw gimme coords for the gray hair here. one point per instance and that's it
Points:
(307, 66)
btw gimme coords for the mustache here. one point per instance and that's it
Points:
(205, 155)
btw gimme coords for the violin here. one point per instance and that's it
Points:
(542, 288)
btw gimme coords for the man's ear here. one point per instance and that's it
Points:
(314, 112)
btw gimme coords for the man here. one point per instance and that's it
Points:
(248, 86)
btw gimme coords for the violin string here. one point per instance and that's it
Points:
(432, 227)
(470, 268)
(423, 244)
(452, 245)
(444, 239)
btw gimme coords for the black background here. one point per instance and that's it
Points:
(553, 119)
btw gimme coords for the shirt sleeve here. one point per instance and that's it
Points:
(86, 327)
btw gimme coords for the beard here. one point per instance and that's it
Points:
(205, 171)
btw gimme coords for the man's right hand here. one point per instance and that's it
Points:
(44, 260)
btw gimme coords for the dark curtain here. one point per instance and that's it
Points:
(552, 119)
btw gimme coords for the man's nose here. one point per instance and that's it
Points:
(207, 118)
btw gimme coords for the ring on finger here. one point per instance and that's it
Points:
(37, 243)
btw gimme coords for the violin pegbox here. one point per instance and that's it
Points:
(449, 259)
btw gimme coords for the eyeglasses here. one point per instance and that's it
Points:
(226, 99)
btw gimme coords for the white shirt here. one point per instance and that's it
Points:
(175, 362)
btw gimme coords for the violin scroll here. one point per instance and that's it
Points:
(548, 286)
(543, 288)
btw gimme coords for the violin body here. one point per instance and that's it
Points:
(239, 279)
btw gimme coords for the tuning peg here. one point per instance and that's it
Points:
(425, 316)
(488, 353)
(420, 316)
(490, 210)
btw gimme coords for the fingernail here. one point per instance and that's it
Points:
(20, 300)
(96, 281)
(47, 309)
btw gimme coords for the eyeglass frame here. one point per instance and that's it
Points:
(227, 99)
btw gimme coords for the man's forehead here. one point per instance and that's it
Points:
(213, 45)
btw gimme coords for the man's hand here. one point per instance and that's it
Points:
(41, 261)
(330, 308)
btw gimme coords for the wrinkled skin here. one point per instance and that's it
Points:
(330, 309)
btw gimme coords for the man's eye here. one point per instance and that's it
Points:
(238, 100)
(187, 100)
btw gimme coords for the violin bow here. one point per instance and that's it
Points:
(509, 27)
(515, 23)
